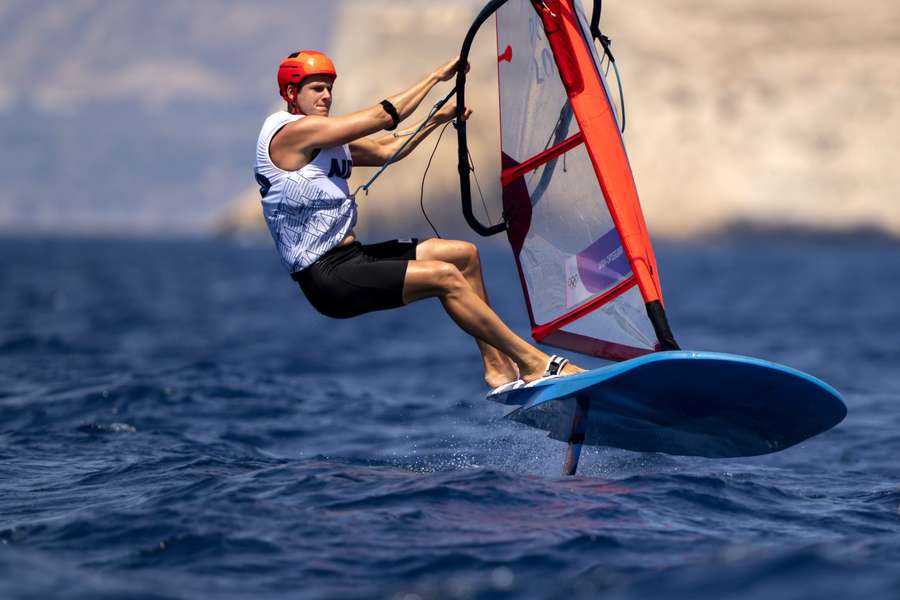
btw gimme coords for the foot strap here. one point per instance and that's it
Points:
(554, 369)
(506, 387)
(555, 366)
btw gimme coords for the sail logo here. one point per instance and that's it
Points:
(543, 63)
(604, 264)
(595, 269)
(340, 168)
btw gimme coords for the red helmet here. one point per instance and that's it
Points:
(300, 65)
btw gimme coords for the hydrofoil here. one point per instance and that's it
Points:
(680, 402)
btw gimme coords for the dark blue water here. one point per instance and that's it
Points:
(176, 422)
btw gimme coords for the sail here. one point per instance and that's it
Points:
(572, 213)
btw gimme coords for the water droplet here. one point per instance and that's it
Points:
(502, 578)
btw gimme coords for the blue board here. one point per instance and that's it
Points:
(684, 403)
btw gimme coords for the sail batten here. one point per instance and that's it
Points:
(540, 332)
(507, 175)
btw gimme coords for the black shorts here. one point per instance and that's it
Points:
(355, 279)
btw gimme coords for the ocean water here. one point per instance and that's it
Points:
(177, 422)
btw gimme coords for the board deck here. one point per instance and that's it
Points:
(683, 403)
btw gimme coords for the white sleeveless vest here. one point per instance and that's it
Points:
(309, 211)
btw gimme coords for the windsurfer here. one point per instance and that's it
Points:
(303, 161)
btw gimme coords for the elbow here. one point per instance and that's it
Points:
(385, 153)
(382, 117)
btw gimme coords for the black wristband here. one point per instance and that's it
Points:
(389, 109)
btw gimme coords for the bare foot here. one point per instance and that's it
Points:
(499, 369)
(535, 374)
(496, 377)
(571, 369)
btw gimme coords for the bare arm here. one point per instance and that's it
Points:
(374, 153)
(304, 135)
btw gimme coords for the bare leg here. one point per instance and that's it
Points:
(443, 280)
(498, 367)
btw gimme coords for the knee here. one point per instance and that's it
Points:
(448, 278)
(468, 252)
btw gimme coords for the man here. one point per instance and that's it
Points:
(304, 158)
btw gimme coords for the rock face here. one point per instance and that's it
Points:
(762, 112)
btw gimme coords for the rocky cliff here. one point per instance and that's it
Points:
(124, 116)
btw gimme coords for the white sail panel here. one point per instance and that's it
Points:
(531, 96)
(578, 282)
(570, 228)
(622, 321)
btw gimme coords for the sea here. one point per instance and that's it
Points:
(176, 421)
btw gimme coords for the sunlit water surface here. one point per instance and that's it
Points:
(177, 422)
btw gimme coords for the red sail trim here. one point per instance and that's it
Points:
(510, 174)
(592, 346)
(539, 332)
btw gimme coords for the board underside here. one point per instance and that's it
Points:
(685, 403)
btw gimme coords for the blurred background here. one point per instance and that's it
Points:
(177, 422)
(132, 117)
